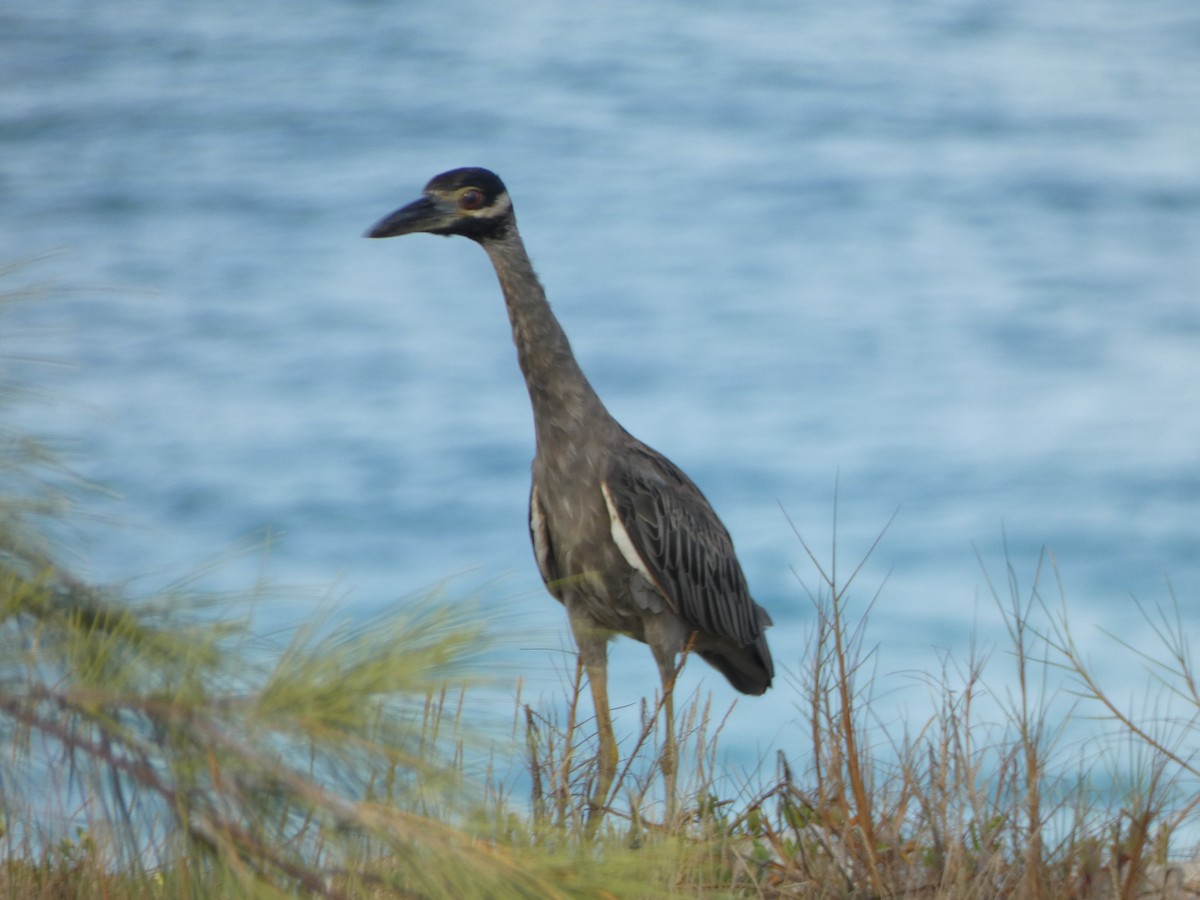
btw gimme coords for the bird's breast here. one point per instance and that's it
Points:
(588, 561)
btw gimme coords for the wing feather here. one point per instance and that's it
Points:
(682, 544)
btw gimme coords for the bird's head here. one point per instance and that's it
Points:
(470, 202)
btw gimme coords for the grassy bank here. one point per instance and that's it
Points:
(147, 754)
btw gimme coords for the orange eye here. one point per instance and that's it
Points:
(471, 199)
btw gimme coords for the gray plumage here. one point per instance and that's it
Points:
(622, 536)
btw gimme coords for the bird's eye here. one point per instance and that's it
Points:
(471, 199)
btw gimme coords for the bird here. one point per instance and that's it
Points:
(623, 539)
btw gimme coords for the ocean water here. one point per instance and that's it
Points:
(940, 260)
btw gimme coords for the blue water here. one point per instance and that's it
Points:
(942, 255)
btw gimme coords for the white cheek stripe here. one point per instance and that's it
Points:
(500, 206)
(621, 538)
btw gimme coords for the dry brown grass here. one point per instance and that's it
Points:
(149, 755)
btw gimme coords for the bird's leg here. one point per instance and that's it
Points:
(593, 651)
(667, 672)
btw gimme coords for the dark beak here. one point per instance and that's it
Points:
(425, 214)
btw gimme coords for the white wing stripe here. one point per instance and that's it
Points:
(624, 543)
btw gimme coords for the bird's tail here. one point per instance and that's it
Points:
(749, 668)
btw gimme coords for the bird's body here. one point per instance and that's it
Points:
(622, 536)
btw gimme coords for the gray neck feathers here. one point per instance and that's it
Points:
(565, 406)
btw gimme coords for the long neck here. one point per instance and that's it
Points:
(564, 404)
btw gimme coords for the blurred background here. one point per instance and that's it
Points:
(941, 259)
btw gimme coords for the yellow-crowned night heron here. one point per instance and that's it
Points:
(623, 538)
